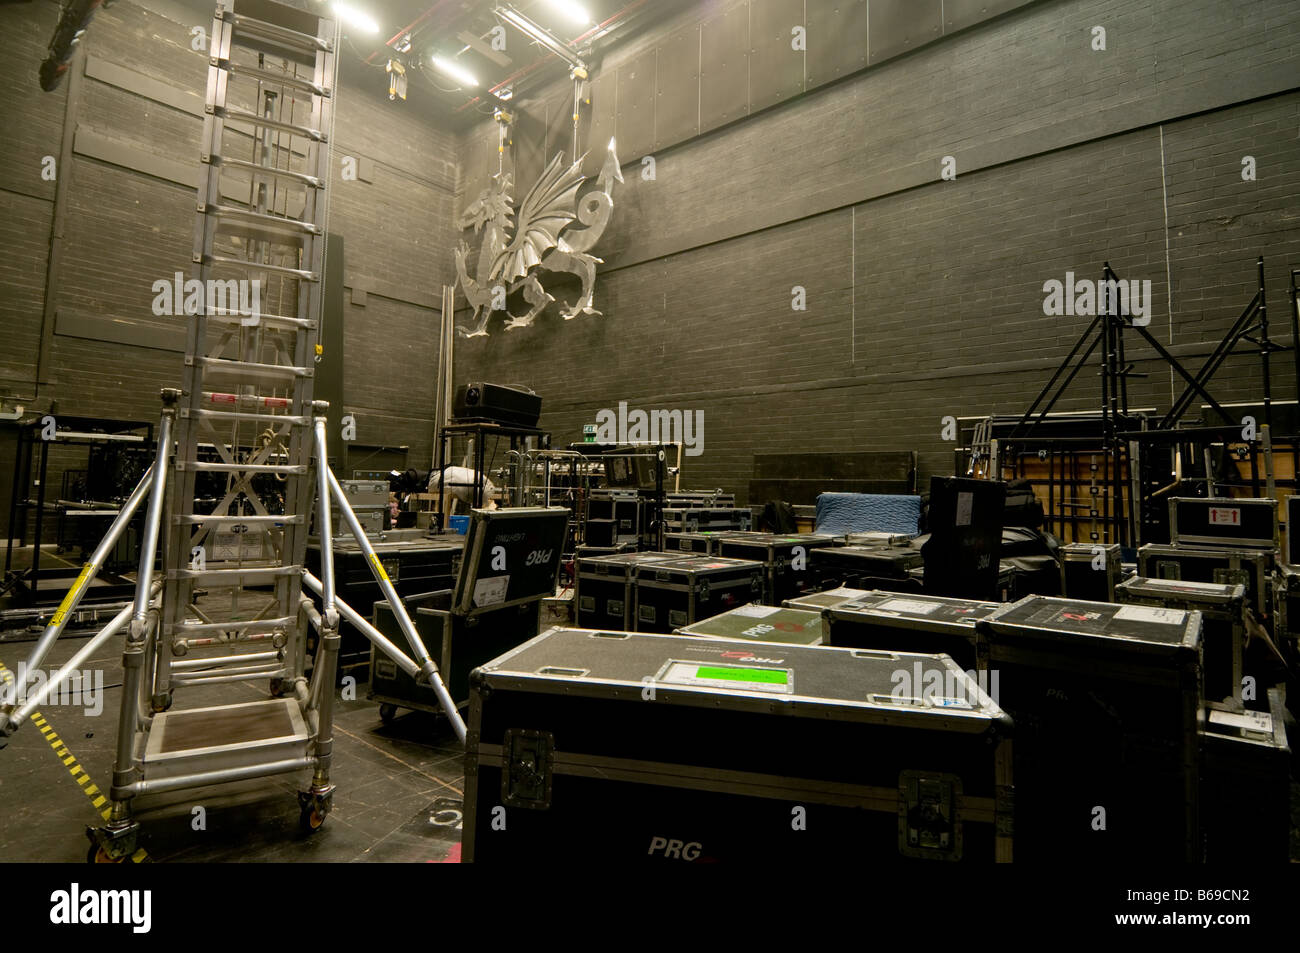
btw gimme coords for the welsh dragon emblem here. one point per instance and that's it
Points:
(542, 239)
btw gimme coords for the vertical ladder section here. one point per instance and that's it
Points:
(239, 511)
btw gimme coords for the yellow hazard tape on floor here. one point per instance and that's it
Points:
(75, 769)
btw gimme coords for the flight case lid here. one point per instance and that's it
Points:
(1208, 593)
(512, 556)
(913, 611)
(805, 681)
(698, 565)
(761, 624)
(1123, 627)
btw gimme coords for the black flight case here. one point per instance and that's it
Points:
(624, 747)
(1106, 701)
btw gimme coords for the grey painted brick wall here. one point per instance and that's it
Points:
(125, 229)
(925, 296)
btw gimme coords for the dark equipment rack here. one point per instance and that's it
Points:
(70, 431)
(478, 429)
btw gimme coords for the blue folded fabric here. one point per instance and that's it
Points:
(865, 512)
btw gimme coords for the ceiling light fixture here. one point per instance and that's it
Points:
(574, 11)
(356, 18)
(454, 71)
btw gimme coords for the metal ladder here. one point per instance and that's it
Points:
(231, 512)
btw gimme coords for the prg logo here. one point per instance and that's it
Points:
(674, 849)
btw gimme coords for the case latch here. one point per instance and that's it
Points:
(928, 825)
(526, 774)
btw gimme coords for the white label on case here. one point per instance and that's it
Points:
(1225, 516)
(965, 503)
(908, 606)
(1150, 614)
(755, 611)
(491, 591)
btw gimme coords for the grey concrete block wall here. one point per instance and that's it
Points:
(925, 297)
(127, 224)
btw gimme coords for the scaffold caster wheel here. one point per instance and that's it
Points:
(278, 688)
(107, 848)
(311, 820)
(313, 809)
(387, 713)
(162, 702)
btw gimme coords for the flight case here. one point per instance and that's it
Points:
(605, 593)
(1090, 571)
(1222, 633)
(760, 623)
(620, 747)
(1223, 521)
(1246, 786)
(704, 543)
(511, 560)
(907, 622)
(785, 559)
(817, 601)
(865, 567)
(1106, 701)
(676, 592)
(1224, 566)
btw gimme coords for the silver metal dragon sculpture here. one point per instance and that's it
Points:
(514, 253)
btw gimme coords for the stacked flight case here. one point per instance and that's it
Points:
(1223, 628)
(895, 622)
(676, 592)
(1220, 540)
(1090, 571)
(869, 567)
(786, 560)
(1250, 568)
(1246, 786)
(413, 566)
(618, 515)
(760, 623)
(698, 519)
(1249, 523)
(369, 502)
(622, 747)
(1106, 703)
(511, 561)
(606, 589)
(703, 543)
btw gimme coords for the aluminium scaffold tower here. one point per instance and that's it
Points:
(228, 510)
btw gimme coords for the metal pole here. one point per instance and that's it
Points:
(428, 668)
(89, 571)
(1265, 346)
(40, 516)
(153, 516)
(24, 710)
(325, 520)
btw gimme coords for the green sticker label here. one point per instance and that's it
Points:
(765, 675)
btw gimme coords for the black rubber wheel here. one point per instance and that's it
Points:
(387, 713)
(311, 819)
